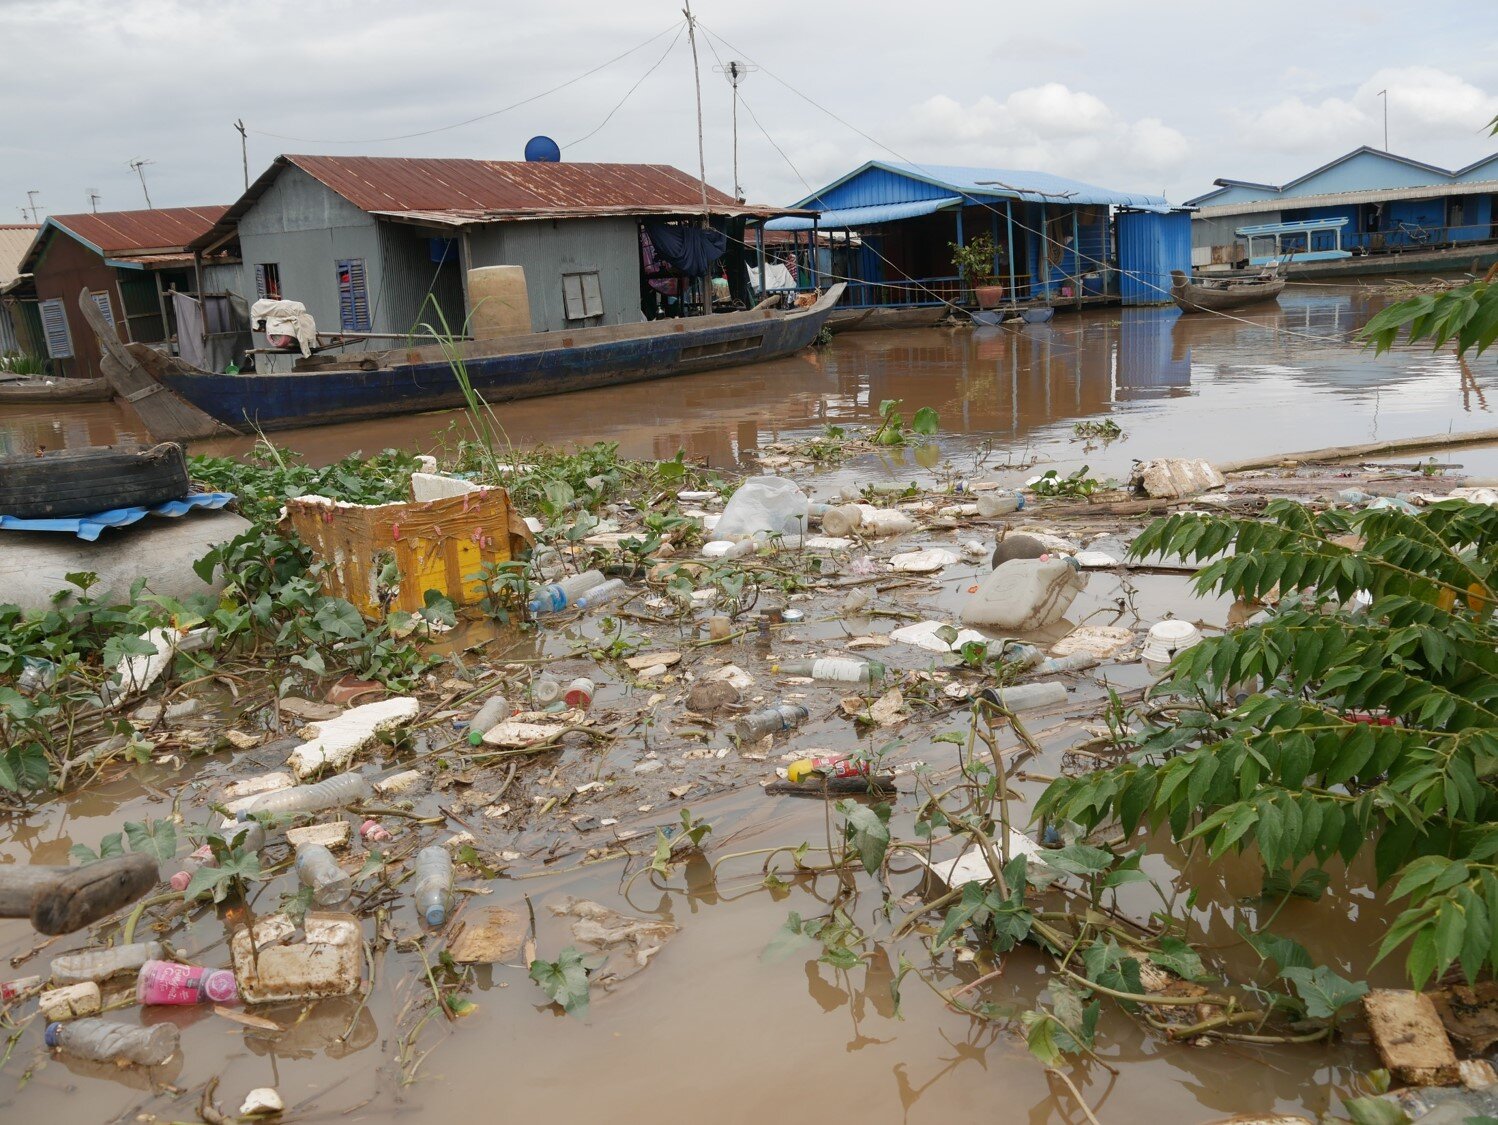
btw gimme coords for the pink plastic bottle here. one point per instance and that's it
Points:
(167, 982)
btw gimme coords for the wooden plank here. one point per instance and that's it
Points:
(1369, 449)
(59, 900)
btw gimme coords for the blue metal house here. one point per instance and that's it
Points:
(1054, 236)
(1367, 211)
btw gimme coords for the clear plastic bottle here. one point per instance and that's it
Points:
(101, 964)
(168, 982)
(992, 504)
(316, 868)
(434, 884)
(546, 691)
(343, 789)
(491, 714)
(835, 669)
(107, 1041)
(831, 766)
(603, 593)
(842, 520)
(558, 596)
(1076, 662)
(1026, 697)
(771, 720)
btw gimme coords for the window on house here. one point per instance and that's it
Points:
(102, 300)
(55, 329)
(582, 295)
(268, 281)
(353, 296)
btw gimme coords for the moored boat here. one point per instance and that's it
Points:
(41, 390)
(1200, 294)
(178, 402)
(875, 319)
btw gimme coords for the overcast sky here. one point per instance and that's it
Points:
(1161, 96)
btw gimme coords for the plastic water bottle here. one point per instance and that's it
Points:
(835, 669)
(107, 1041)
(36, 675)
(344, 789)
(434, 884)
(604, 592)
(991, 504)
(546, 691)
(101, 964)
(771, 720)
(557, 596)
(167, 982)
(1026, 697)
(316, 868)
(1076, 662)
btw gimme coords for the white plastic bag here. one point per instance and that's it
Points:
(764, 506)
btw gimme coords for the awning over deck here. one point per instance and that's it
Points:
(855, 217)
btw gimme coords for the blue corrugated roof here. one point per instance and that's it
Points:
(990, 183)
(867, 216)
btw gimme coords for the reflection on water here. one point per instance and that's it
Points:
(1277, 377)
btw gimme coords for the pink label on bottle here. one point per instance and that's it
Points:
(166, 982)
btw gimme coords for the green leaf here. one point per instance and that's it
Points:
(439, 608)
(1284, 952)
(565, 980)
(1175, 955)
(337, 618)
(1323, 991)
(1079, 859)
(867, 828)
(925, 421)
(156, 838)
(787, 940)
(1374, 1111)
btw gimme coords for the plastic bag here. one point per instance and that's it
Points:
(764, 506)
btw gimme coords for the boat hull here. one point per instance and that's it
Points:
(1230, 295)
(57, 391)
(421, 380)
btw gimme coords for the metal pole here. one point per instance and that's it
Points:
(1009, 249)
(697, 80)
(733, 72)
(244, 150)
(1385, 95)
(1076, 257)
(759, 245)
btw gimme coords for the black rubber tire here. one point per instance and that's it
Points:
(82, 482)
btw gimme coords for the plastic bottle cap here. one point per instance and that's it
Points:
(51, 1033)
(436, 915)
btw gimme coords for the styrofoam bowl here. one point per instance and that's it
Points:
(1166, 638)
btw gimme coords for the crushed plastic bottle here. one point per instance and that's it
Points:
(342, 789)
(834, 669)
(101, 964)
(771, 720)
(167, 982)
(830, 766)
(316, 868)
(107, 1041)
(36, 675)
(433, 884)
(1025, 697)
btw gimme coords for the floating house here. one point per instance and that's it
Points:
(132, 262)
(378, 248)
(1366, 212)
(1057, 241)
(16, 333)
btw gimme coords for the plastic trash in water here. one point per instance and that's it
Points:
(763, 507)
(830, 766)
(557, 596)
(998, 503)
(546, 691)
(331, 793)
(834, 669)
(101, 964)
(579, 693)
(1024, 594)
(373, 832)
(602, 594)
(167, 982)
(1076, 662)
(1166, 638)
(316, 868)
(1025, 697)
(107, 1041)
(771, 720)
(433, 884)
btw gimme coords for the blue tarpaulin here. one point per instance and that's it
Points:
(690, 249)
(88, 527)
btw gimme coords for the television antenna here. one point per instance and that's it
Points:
(93, 200)
(31, 201)
(138, 166)
(736, 71)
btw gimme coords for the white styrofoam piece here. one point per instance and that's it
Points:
(335, 741)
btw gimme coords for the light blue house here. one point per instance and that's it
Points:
(1368, 211)
(889, 229)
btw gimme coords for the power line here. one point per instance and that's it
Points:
(481, 117)
(620, 105)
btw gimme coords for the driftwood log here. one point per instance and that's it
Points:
(1370, 449)
(59, 900)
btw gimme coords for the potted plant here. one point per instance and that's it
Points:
(974, 262)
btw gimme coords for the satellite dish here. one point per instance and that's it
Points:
(542, 150)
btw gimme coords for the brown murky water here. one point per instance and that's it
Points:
(712, 1028)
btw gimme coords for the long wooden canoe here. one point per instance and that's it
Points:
(177, 402)
(1213, 294)
(55, 390)
(875, 319)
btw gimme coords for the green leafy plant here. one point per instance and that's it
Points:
(892, 429)
(974, 260)
(565, 980)
(1077, 484)
(1373, 726)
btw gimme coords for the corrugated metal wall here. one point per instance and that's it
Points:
(306, 229)
(409, 273)
(547, 249)
(1150, 245)
(876, 186)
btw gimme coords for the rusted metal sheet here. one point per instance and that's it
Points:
(162, 231)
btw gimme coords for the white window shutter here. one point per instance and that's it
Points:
(55, 329)
(592, 295)
(102, 300)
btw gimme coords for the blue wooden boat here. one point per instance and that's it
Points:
(178, 402)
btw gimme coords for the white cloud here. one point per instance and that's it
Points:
(1427, 106)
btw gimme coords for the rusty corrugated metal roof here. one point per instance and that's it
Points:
(388, 183)
(127, 233)
(15, 240)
